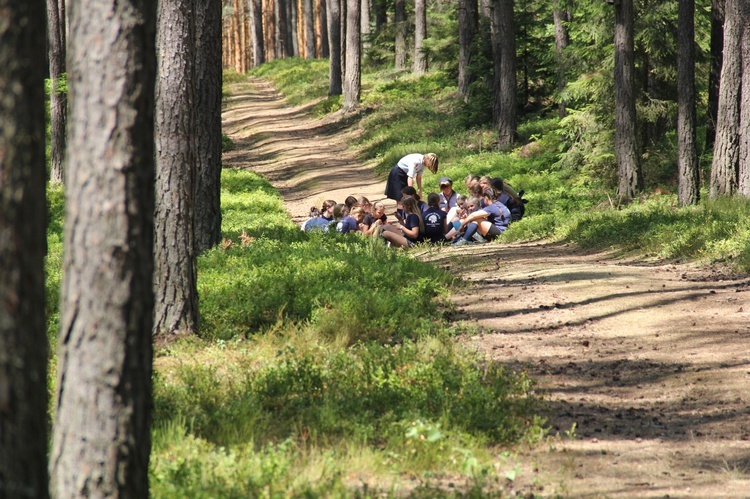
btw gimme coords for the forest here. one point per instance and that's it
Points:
(168, 330)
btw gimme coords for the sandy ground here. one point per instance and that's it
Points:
(644, 365)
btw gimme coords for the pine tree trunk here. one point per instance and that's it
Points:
(353, 76)
(101, 442)
(687, 156)
(309, 16)
(399, 20)
(365, 6)
(626, 148)
(725, 162)
(342, 36)
(269, 24)
(23, 338)
(717, 44)
(242, 36)
(381, 14)
(420, 33)
(504, 63)
(57, 99)
(559, 18)
(291, 31)
(256, 30)
(208, 124)
(321, 21)
(175, 288)
(743, 161)
(468, 19)
(280, 11)
(334, 46)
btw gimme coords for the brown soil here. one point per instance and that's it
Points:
(644, 365)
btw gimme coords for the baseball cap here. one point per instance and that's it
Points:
(446, 180)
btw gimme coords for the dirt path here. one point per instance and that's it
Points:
(649, 361)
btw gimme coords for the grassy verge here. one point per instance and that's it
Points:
(566, 168)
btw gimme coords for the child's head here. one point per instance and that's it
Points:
(497, 184)
(472, 204)
(489, 195)
(430, 162)
(340, 211)
(364, 203)
(358, 214)
(433, 200)
(327, 207)
(470, 181)
(484, 182)
(350, 202)
(409, 191)
(410, 204)
(378, 209)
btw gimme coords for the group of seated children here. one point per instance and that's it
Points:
(446, 217)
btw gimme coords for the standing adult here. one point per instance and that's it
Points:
(407, 172)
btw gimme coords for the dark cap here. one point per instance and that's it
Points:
(446, 180)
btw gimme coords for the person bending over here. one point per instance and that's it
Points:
(408, 172)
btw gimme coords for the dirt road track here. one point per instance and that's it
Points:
(649, 360)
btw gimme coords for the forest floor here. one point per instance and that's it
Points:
(644, 365)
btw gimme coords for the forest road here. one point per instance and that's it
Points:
(644, 366)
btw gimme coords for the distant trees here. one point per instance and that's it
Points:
(101, 441)
(504, 66)
(23, 341)
(468, 25)
(687, 156)
(57, 98)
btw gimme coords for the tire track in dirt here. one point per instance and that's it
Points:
(649, 360)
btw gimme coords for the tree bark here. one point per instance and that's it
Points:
(744, 129)
(269, 23)
(58, 112)
(365, 23)
(282, 28)
(256, 30)
(23, 339)
(322, 23)
(504, 64)
(208, 124)
(291, 31)
(626, 148)
(559, 18)
(353, 76)
(175, 288)
(101, 439)
(717, 44)
(468, 26)
(399, 20)
(334, 46)
(420, 33)
(725, 162)
(687, 156)
(381, 14)
(309, 16)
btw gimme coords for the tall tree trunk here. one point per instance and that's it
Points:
(725, 162)
(23, 338)
(256, 30)
(353, 76)
(242, 35)
(365, 6)
(717, 44)
(420, 33)
(381, 14)
(208, 124)
(175, 288)
(342, 37)
(504, 63)
(468, 26)
(626, 148)
(269, 24)
(559, 17)
(321, 21)
(282, 28)
(101, 442)
(309, 16)
(334, 46)
(744, 129)
(399, 20)
(57, 99)
(687, 157)
(291, 31)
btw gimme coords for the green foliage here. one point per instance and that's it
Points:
(300, 80)
(53, 260)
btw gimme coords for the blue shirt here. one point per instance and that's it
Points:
(347, 224)
(434, 224)
(317, 223)
(498, 215)
(410, 222)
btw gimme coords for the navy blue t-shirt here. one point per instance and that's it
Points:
(410, 222)
(434, 224)
(346, 224)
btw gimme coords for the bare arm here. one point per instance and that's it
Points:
(474, 217)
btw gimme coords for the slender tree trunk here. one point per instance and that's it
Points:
(353, 76)
(365, 24)
(420, 33)
(269, 24)
(322, 23)
(57, 99)
(560, 16)
(101, 442)
(291, 31)
(208, 124)
(626, 148)
(687, 156)
(309, 16)
(400, 43)
(175, 288)
(334, 46)
(381, 14)
(725, 163)
(468, 22)
(242, 24)
(504, 63)
(23, 339)
(342, 37)
(717, 44)
(256, 30)
(282, 28)
(744, 129)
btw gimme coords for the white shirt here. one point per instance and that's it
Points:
(412, 164)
